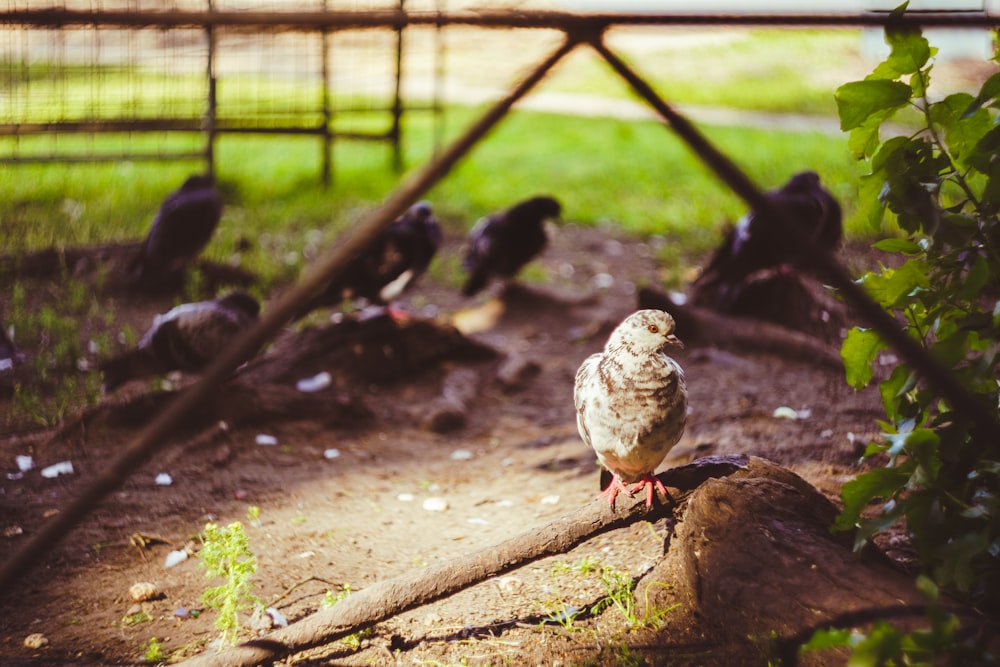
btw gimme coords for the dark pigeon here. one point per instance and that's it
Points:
(187, 338)
(502, 243)
(392, 264)
(758, 243)
(181, 229)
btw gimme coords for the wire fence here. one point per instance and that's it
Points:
(88, 90)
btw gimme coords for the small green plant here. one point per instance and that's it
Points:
(226, 553)
(353, 641)
(153, 652)
(253, 515)
(136, 618)
(884, 644)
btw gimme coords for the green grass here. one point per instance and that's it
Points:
(763, 69)
(636, 175)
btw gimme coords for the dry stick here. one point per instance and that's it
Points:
(328, 269)
(937, 375)
(395, 596)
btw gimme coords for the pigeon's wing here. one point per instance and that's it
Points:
(584, 392)
(486, 245)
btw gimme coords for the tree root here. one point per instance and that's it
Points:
(395, 596)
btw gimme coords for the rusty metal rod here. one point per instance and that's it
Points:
(327, 269)
(938, 376)
(554, 20)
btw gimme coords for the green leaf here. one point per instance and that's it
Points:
(988, 93)
(856, 494)
(910, 50)
(859, 100)
(962, 132)
(827, 638)
(900, 381)
(904, 246)
(858, 352)
(905, 280)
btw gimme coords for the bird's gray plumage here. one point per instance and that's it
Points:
(631, 399)
(502, 243)
(186, 338)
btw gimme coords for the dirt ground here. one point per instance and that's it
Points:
(349, 507)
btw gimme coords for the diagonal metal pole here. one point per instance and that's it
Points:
(327, 269)
(937, 375)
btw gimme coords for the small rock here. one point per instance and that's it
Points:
(56, 469)
(143, 591)
(550, 500)
(435, 504)
(278, 619)
(317, 382)
(13, 530)
(785, 412)
(35, 640)
(24, 463)
(461, 455)
(405, 498)
(266, 440)
(332, 453)
(175, 558)
(603, 280)
(164, 479)
(477, 521)
(509, 584)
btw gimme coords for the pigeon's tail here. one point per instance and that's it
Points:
(128, 366)
(476, 282)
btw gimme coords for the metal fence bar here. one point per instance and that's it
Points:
(327, 268)
(553, 20)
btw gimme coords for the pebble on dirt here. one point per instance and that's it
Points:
(175, 558)
(435, 504)
(56, 469)
(35, 640)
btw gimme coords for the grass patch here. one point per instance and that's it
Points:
(762, 69)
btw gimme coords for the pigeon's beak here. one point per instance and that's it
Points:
(675, 342)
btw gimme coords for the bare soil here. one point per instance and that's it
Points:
(359, 517)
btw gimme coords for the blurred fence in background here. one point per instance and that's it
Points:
(167, 89)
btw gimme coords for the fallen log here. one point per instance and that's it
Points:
(116, 259)
(394, 596)
(701, 326)
(362, 350)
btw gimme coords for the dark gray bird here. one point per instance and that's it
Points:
(392, 264)
(758, 242)
(631, 402)
(502, 243)
(186, 338)
(181, 229)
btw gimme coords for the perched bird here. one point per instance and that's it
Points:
(399, 256)
(502, 243)
(186, 338)
(759, 242)
(631, 402)
(182, 227)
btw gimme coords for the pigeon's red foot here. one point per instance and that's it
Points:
(398, 314)
(613, 488)
(649, 481)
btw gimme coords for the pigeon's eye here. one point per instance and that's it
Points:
(654, 329)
